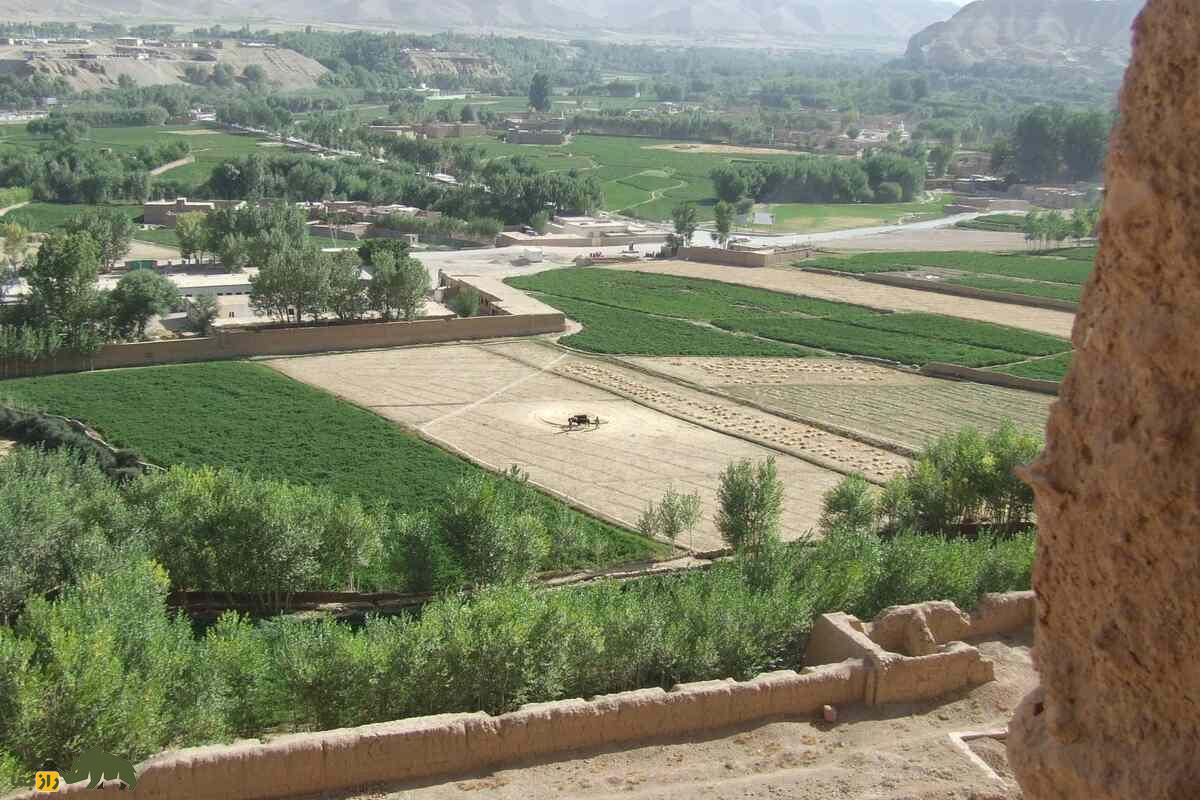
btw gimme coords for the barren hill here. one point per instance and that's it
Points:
(1086, 33)
(794, 20)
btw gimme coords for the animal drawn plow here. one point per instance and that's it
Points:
(577, 423)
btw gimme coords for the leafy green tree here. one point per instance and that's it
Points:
(939, 159)
(724, 221)
(466, 301)
(202, 311)
(493, 529)
(193, 235)
(850, 505)
(62, 280)
(750, 504)
(675, 514)
(292, 283)
(254, 76)
(140, 295)
(1085, 143)
(110, 228)
(1038, 143)
(539, 92)
(347, 295)
(468, 114)
(398, 287)
(686, 221)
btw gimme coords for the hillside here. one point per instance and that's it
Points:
(286, 69)
(886, 20)
(1085, 33)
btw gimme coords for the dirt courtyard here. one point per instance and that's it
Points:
(896, 752)
(848, 290)
(504, 403)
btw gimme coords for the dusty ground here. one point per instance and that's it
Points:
(692, 147)
(503, 404)
(882, 403)
(899, 752)
(139, 250)
(6, 447)
(829, 287)
(932, 239)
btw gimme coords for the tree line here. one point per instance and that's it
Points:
(884, 177)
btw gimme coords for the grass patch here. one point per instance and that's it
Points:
(163, 236)
(1045, 369)
(1043, 268)
(1055, 291)
(46, 217)
(251, 418)
(1001, 223)
(817, 217)
(966, 331)
(854, 339)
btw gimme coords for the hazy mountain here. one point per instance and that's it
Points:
(791, 19)
(1093, 33)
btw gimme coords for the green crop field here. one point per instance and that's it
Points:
(1002, 223)
(249, 417)
(641, 313)
(1055, 269)
(1056, 291)
(614, 330)
(853, 339)
(671, 296)
(818, 217)
(966, 331)
(45, 217)
(1077, 253)
(1044, 369)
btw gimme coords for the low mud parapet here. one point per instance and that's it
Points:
(450, 744)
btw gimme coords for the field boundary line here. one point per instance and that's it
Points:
(492, 395)
(848, 433)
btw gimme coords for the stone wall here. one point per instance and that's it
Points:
(449, 744)
(1118, 502)
(744, 258)
(939, 369)
(297, 341)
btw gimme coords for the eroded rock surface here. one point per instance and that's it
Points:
(1118, 487)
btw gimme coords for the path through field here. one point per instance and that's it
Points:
(849, 290)
(506, 403)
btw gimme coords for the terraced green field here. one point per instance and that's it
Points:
(1055, 269)
(1056, 291)
(250, 417)
(639, 313)
(1045, 369)
(1002, 223)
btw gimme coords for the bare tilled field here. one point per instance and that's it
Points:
(503, 404)
(899, 407)
(848, 290)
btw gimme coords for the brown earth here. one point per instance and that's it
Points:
(895, 752)
(505, 403)
(900, 407)
(848, 290)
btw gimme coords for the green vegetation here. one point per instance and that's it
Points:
(1043, 268)
(1043, 369)
(649, 314)
(1001, 223)
(46, 217)
(853, 339)
(1054, 291)
(818, 217)
(251, 418)
(614, 330)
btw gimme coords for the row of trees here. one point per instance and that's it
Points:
(882, 177)
(1042, 228)
(1050, 143)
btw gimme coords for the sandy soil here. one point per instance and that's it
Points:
(898, 752)
(504, 404)
(932, 239)
(875, 402)
(848, 290)
(159, 252)
(6, 447)
(692, 147)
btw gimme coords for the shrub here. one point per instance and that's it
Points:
(60, 519)
(53, 433)
(466, 302)
(673, 515)
(850, 504)
(889, 192)
(750, 500)
(219, 530)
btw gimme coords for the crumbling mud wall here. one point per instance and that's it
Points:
(451, 744)
(1117, 575)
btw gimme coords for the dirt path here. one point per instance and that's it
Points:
(6, 447)
(898, 752)
(14, 207)
(656, 194)
(179, 162)
(848, 290)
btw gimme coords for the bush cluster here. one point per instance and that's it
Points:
(54, 433)
(107, 666)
